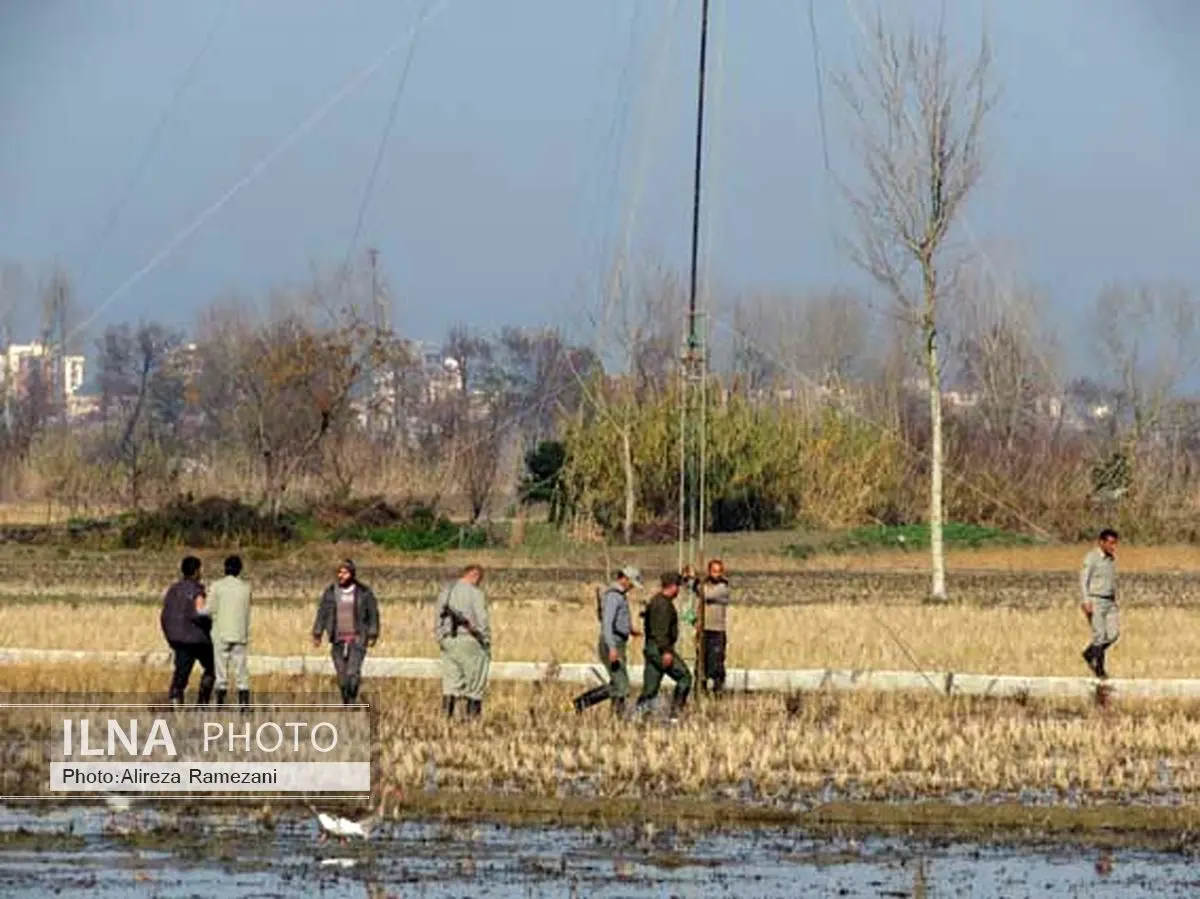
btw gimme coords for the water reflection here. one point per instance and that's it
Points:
(69, 852)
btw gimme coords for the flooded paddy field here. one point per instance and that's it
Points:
(149, 853)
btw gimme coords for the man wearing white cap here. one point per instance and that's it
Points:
(616, 627)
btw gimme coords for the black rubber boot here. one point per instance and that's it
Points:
(352, 689)
(474, 708)
(204, 697)
(1101, 672)
(448, 706)
(1089, 656)
(619, 707)
(221, 694)
(594, 696)
(244, 699)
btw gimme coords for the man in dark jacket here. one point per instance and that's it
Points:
(186, 625)
(349, 614)
(662, 633)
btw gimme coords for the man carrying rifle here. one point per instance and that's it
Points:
(463, 633)
(616, 627)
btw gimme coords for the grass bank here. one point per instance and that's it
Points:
(764, 754)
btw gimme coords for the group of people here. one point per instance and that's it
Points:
(661, 632)
(211, 626)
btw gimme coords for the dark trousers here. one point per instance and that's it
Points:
(186, 656)
(714, 661)
(348, 662)
(654, 671)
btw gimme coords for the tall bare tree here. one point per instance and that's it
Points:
(917, 127)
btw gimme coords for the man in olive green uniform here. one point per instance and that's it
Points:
(463, 632)
(662, 634)
(229, 606)
(616, 627)
(1098, 582)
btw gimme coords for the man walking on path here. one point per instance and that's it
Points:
(229, 606)
(1098, 581)
(662, 633)
(715, 589)
(616, 627)
(463, 631)
(349, 614)
(186, 626)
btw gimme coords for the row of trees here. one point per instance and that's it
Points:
(949, 397)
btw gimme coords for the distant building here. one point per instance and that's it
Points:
(24, 365)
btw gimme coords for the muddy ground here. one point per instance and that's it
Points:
(147, 853)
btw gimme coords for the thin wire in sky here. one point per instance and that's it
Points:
(381, 149)
(151, 145)
(315, 118)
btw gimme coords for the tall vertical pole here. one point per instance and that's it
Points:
(692, 512)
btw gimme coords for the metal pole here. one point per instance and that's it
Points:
(694, 361)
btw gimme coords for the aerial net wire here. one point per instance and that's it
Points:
(385, 136)
(348, 87)
(151, 145)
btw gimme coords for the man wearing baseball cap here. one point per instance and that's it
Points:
(616, 627)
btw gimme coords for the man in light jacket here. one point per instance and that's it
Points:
(463, 632)
(229, 606)
(715, 590)
(349, 615)
(1098, 583)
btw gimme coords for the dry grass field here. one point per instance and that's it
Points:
(1157, 642)
(749, 750)
(1021, 619)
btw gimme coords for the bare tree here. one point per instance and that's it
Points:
(1006, 357)
(289, 381)
(820, 339)
(1145, 338)
(918, 124)
(639, 330)
(141, 400)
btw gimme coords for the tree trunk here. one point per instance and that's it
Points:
(933, 373)
(630, 494)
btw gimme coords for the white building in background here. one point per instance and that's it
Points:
(22, 362)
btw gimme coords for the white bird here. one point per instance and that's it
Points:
(344, 828)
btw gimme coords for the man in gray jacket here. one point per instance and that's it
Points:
(229, 606)
(1098, 582)
(349, 615)
(463, 632)
(616, 627)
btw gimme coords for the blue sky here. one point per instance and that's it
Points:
(512, 163)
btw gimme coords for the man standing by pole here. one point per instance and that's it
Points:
(349, 614)
(616, 627)
(715, 593)
(463, 631)
(662, 635)
(1098, 581)
(229, 606)
(186, 625)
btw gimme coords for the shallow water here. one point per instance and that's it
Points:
(224, 858)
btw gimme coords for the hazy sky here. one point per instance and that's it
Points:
(514, 158)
